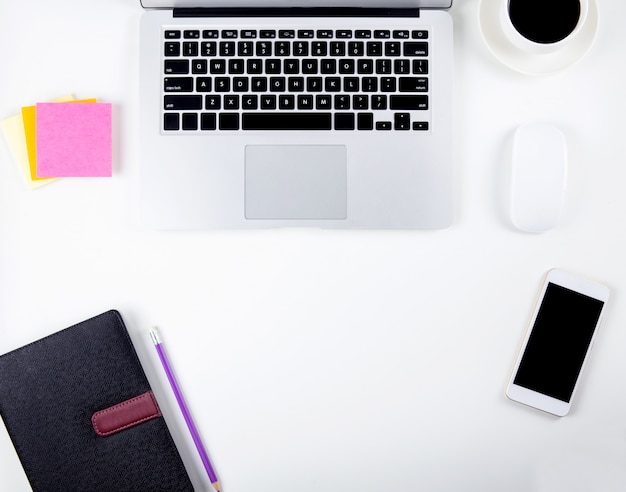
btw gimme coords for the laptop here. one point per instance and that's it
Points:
(282, 113)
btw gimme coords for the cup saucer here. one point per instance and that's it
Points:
(533, 63)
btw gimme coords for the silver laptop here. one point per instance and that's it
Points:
(277, 113)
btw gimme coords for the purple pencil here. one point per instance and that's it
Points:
(154, 334)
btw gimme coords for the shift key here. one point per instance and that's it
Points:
(408, 102)
(183, 102)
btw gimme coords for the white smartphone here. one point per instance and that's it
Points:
(557, 343)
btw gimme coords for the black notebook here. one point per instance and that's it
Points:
(81, 414)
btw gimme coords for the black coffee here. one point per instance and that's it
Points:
(544, 21)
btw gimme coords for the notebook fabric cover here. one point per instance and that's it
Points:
(50, 391)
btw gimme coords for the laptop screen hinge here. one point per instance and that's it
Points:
(296, 12)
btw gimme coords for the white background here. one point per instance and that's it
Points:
(344, 360)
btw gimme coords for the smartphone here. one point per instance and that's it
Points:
(557, 343)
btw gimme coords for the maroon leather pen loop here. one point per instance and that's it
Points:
(126, 414)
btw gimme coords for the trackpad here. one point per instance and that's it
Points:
(296, 182)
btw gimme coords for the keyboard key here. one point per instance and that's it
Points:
(240, 84)
(402, 121)
(263, 48)
(286, 121)
(178, 84)
(248, 34)
(296, 84)
(306, 33)
(365, 66)
(172, 49)
(301, 48)
(286, 101)
(343, 34)
(231, 102)
(383, 125)
(319, 48)
(338, 48)
(259, 84)
(413, 84)
(365, 121)
(420, 66)
(291, 66)
(419, 34)
(346, 66)
(282, 48)
(192, 34)
(305, 102)
(388, 84)
(344, 121)
(227, 48)
(401, 34)
(210, 34)
(222, 84)
(230, 34)
(402, 66)
(329, 66)
(250, 101)
(324, 33)
(173, 103)
(229, 121)
(213, 103)
(392, 48)
(268, 34)
(218, 66)
(245, 48)
(190, 48)
(382, 34)
(176, 67)
(287, 34)
(208, 121)
(383, 66)
(255, 66)
(208, 48)
(323, 101)
(342, 101)
(363, 34)
(374, 48)
(203, 84)
(309, 66)
(351, 84)
(268, 101)
(199, 67)
(277, 84)
(415, 49)
(171, 121)
(272, 66)
(408, 102)
(360, 102)
(235, 66)
(190, 121)
(172, 34)
(379, 101)
(356, 48)
(420, 125)
(369, 84)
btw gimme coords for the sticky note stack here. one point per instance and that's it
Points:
(63, 138)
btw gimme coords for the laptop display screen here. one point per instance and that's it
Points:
(296, 3)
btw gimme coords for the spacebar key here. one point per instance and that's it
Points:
(286, 121)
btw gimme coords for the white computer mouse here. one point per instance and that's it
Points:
(538, 177)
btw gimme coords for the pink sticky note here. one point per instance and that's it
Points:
(73, 139)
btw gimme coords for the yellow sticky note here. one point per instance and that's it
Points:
(29, 117)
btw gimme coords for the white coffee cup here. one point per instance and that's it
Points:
(527, 23)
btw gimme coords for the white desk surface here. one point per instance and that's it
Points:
(334, 360)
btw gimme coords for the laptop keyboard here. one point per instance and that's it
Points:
(228, 80)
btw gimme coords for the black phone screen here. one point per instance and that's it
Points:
(558, 343)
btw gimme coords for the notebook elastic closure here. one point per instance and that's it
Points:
(126, 414)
